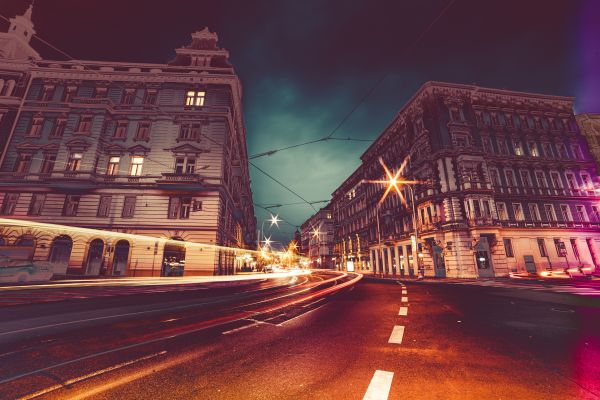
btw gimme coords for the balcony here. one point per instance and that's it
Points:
(94, 102)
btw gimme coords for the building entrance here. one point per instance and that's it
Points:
(483, 258)
(173, 263)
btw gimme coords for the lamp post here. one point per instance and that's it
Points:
(274, 221)
(415, 245)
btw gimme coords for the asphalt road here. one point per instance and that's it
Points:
(302, 340)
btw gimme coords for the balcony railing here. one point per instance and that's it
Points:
(178, 178)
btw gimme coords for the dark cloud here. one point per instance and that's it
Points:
(305, 64)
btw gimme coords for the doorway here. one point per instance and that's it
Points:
(95, 257)
(120, 258)
(483, 258)
(60, 253)
(173, 263)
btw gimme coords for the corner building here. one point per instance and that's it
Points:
(507, 183)
(148, 149)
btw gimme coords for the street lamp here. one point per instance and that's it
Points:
(274, 221)
(393, 182)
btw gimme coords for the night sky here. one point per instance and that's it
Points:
(305, 64)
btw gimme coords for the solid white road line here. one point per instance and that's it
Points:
(403, 311)
(397, 334)
(90, 375)
(379, 388)
(405, 299)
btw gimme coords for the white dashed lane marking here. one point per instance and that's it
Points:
(403, 311)
(397, 335)
(405, 299)
(379, 388)
(404, 291)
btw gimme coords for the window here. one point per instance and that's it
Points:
(541, 179)
(486, 209)
(494, 178)
(36, 204)
(48, 163)
(556, 183)
(185, 165)
(143, 131)
(562, 150)
(9, 203)
(596, 213)
(508, 249)
(510, 178)
(74, 161)
(128, 96)
(461, 141)
(104, 206)
(486, 145)
(542, 247)
(501, 208)
(85, 124)
(179, 207)
(517, 147)
(23, 162)
(549, 210)
(113, 166)
(71, 205)
(36, 127)
(121, 130)
(571, 181)
(59, 128)
(136, 166)
(189, 131)
(128, 207)
(566, 213)
(195, 98)
(548, 150)
(587, 184)
(561, 250)
(518, 211)
(100, 92)
(526, 179)
(151, 97)
(581, 214)
(534, 212)
(575, 249)
(577, 152)
(69, 93)
(47, 93)
(533, 150)
(501, 146)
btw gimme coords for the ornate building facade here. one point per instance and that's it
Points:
(317, 238)
(589, 125)
(506, 184)
(146, 149)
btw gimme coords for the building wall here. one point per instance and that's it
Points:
(589, 125)
(317, 236)
(484, 160)
(119, 99)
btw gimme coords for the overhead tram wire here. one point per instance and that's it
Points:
(362, 99)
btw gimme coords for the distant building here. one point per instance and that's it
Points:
(507, 183)
(317, 238)
(148, 149)
(589, 125)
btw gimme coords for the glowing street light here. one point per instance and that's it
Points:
(275, 220)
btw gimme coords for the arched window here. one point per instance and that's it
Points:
(25, 241)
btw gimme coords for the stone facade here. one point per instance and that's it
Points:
(146, 149)
(589, 125)
(506, 184)
(317, 238)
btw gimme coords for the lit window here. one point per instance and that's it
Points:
(195, 98)
(136, 166)
(74, 161)
(533, 151)
(518, 211)
(501, 208)
(113, 166)
(517, 147)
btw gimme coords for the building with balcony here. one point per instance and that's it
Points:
(145, 149)
(589, 126)
(317, 238)
(506, 183)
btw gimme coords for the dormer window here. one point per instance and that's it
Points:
(195, 98)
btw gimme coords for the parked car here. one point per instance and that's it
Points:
(21, 271)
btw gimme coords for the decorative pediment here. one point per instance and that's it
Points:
(27, 147)
(139, 149)
(78, 143)
(112, 148)
(187, 148)
(51, 147)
